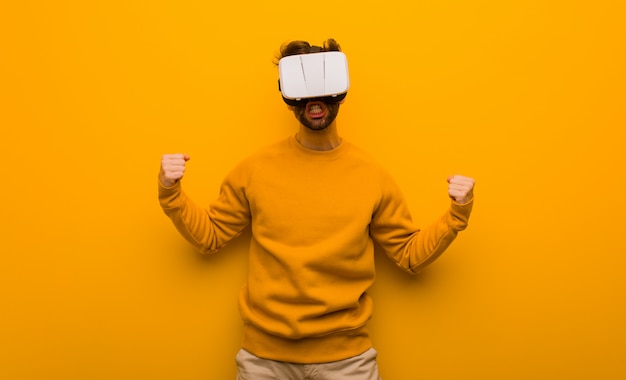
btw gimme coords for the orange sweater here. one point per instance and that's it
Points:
(313, 216)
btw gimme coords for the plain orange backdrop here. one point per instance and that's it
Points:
(526, 96)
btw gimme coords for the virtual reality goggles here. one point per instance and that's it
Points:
(322, 76)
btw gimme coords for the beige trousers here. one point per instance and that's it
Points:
(361, 367)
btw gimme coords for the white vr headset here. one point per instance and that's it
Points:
(314, 75)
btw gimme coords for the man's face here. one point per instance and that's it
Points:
(316, 114)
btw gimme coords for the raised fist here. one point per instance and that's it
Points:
(172, 168)
(460, 188)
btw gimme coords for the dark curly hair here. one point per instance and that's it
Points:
(303, 47)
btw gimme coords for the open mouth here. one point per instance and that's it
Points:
(315, 110)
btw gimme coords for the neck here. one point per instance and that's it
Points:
(326, 139)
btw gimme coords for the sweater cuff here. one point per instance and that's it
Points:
(165, 189)
(461, 213)
(170, 196)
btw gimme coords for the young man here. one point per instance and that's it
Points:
(315, 204)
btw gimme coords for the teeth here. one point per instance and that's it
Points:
(315, 109)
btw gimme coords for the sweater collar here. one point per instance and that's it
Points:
(317, 154)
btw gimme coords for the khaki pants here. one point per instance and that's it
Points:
(362, 367)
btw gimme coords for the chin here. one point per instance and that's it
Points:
(317, 126)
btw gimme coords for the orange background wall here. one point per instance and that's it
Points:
(526, 96)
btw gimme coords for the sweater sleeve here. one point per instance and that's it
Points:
(208, 228)
(412, 248)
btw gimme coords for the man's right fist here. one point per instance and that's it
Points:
(172, 168)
